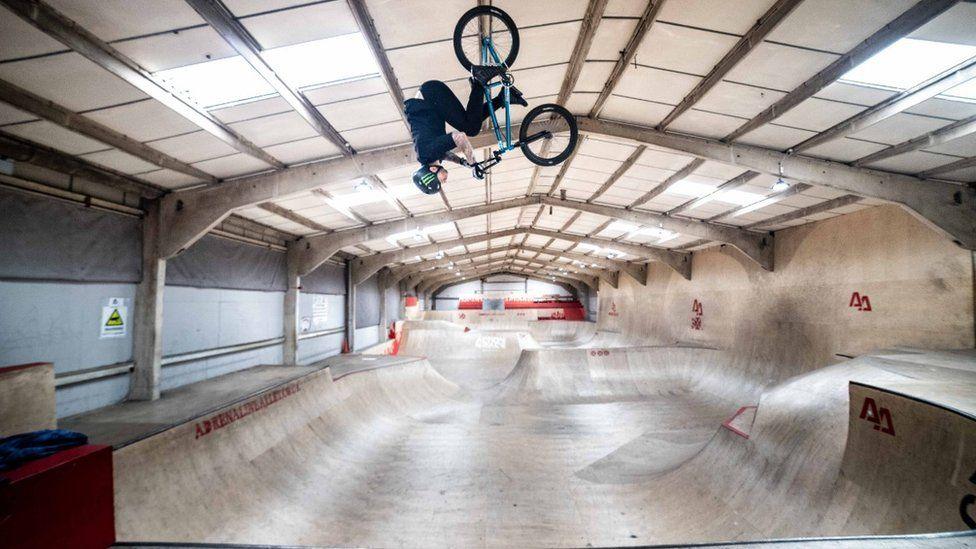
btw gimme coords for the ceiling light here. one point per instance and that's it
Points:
(216, 82)
(439, 255)
(363, 186)
(780, 185)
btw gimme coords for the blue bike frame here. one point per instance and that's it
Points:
(488, 53)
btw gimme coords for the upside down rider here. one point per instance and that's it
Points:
(436, 105)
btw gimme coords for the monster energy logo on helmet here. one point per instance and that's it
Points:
(426, 180)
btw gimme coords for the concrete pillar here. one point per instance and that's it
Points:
(350, 308)
(384, 315)
(147, 322)
(290, 317)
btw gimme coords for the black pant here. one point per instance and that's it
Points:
(467, 120)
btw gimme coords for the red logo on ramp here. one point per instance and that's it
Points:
(880, 417)
(860, 302)
(698, 312)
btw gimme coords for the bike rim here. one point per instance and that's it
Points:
(552, 146)
(501, 39)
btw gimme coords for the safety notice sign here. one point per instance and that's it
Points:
(114, 319)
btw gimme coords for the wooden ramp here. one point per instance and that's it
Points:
(570, 448)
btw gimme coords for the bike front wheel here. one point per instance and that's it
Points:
(548, 134)
(482, 21)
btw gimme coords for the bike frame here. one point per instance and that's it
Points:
(488, 54)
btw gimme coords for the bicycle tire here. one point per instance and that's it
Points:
(498, 16)
(554, 114)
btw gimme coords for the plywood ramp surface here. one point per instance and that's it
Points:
(566, 448)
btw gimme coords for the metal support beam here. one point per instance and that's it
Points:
(947, 207)
(755, 36)
(69, 33)
(514, 271)
(147, 333)
(953, 131)
(610, 275)
(960, 164)
(584, 40)
(618, 173)
(679, 261)
(364, 267)
(905, 24)
(66, 118)
(290, 318)
(733, 183)
(627, 54)
(28, 152)
(675, 177)
(294, 217)
(220, 18)
(350, 309)
(759, 247)
(188, 215)
(890, 107)
(838, 202)
(365, 22)
(634, 270)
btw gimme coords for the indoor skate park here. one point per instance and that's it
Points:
(702, 276)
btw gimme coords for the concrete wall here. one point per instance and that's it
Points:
(919, 285)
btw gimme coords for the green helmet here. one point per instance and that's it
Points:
(426, 180)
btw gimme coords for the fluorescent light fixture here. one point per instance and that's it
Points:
(909, 62)
(216, 82)
(322, 61)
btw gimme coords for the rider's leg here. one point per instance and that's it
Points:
(467, 118)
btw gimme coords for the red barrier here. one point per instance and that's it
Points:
(64, 500)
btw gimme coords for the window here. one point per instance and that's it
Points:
(909, 62)
(233, 80)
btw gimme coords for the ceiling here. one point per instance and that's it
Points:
(685, 41)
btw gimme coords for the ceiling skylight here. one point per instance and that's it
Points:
(322, 61)
(233, 80)
(689, 188)
(216, 82)
(909, 62)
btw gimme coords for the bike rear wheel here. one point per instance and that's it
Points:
(548, 134)
(484, 21)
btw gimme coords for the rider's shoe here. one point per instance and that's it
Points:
(515, 97)
(484, 73)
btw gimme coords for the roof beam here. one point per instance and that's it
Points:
(188, 215)
(632, 269)
(618, 173)
(66, 118)
(679, 261)
(28, 152)
(833, 204)
(675, 177)
(505, 264)
(293, 217)
(364, 267)
(916, 16)
(759, 247)
(733, 183)
(574, 286)
(627, 54)
(890, 107)
(945, 206)
(765, 25)
(953, 131)
(219, 17)
(792, 190)
(960, 164)
(584, 40)
(365, 21)
(56, 25)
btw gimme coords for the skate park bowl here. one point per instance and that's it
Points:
(492, 438)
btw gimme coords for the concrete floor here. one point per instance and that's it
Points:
(494, 442)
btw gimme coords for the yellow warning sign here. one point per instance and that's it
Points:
(114, 319)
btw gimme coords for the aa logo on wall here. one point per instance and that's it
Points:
(613, 310)
(697, 312)
(880, 417)
(860, 302)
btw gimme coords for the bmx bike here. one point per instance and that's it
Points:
(486, 35)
